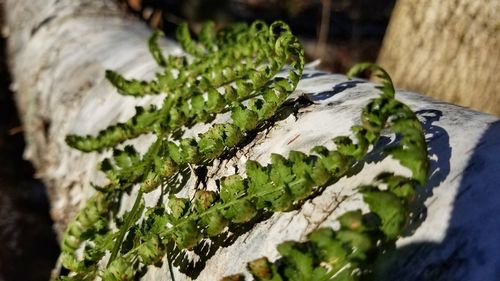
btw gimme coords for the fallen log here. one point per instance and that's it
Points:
(59, 50)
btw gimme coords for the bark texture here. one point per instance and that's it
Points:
(58, 53)
(446, 49)
(59, 50)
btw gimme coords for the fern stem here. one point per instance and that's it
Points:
(126, 226)
(170, 268)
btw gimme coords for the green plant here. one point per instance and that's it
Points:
(231, 71)
(346, 254)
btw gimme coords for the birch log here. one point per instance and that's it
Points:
(58, 51)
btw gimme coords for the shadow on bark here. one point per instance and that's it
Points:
(470, 249)
(193, 262)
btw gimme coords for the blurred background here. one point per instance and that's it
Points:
(446, 49)
(28, 246)
(339, 32)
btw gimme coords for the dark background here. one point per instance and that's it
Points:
(352, 29)
(28, 246)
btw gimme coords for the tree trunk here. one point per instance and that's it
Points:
(58, 52)
(446, 49)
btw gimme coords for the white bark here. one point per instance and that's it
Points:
(59, 50)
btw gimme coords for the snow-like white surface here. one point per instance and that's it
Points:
(58, 71)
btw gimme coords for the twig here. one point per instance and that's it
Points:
(324, 28)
